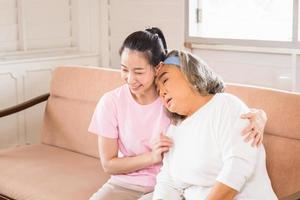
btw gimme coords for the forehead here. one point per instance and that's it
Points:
(167, 70)
(134, 59)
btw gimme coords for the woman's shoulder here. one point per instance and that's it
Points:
(112, 98)
(229, 98)
(232, 102)
(116, 93)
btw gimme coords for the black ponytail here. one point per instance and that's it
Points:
(151, 42)
(155, 30)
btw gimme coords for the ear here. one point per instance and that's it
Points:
(158, 67)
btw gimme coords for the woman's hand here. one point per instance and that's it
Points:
(255, 130)
(161, 145)
(221, 191)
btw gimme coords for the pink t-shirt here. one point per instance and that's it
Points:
(119, 116)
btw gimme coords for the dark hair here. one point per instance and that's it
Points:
(151, 42)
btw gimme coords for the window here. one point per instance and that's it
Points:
(259, 22)
(27, 25)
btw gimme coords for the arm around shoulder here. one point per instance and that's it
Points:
(239, 159)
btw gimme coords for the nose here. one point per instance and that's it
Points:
(162, 92)
(130, 78)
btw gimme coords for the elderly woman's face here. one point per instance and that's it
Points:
(173, 88)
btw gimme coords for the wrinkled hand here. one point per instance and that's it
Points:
(255, 130)
(160, 145)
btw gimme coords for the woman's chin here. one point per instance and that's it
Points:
(171, 109)
(137, 90)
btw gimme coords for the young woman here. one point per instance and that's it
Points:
(209, 159)
(130, 120)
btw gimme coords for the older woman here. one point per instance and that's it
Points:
(209, 159)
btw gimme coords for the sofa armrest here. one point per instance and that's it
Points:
(3, 197)
(295, 196)
(24, 105)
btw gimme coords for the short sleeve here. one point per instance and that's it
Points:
(104, 120)
(239, 158)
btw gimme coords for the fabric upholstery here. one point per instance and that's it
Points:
(66, 165)
(282, 133)
(43, 172)
(74, 94)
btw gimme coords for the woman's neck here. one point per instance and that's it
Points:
(195, 102)
(147, 97)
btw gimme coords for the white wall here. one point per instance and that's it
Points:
(103, 25)
(274, 70)
(26, 75)
(126, 16)
(268, 70)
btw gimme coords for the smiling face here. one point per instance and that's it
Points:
(137, 72)
(173, 88)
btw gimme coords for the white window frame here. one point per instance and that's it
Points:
(294, 44)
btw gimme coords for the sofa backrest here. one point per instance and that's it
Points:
(282, 134)
(74, 93)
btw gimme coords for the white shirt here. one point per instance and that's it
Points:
(208, 147)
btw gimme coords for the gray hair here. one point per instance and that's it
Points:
(199, 74)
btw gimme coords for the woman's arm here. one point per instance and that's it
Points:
(104, 123)
(112, 164)
(255, 130)
(221, 191)
(239, 160)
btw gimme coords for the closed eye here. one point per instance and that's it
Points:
(157, 90)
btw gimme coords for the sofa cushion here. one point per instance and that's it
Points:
(282, 108)
(43, 172)
(74, 94)
(282, 135)
(283, 164)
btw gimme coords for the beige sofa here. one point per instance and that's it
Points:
(66, 166)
